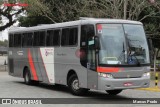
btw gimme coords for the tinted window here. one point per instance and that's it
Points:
(53, 37)
(17, 40)
(73, 36)
(86, 31)
(49, 38)
(27, 39)
(56, 38)
(42, 38)
(30, 39)
(39, 38)
(11, 40)
(69, 36)
(65, 37)
(36, 39)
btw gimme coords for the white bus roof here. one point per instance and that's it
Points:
(74, 23)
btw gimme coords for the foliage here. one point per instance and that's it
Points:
(10, 13)
(4, 43)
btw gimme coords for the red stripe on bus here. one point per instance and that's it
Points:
(44, 65)
(107, 69)
(33, 70)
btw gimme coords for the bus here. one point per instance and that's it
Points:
(90, 53)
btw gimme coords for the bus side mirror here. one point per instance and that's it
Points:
(97, 43)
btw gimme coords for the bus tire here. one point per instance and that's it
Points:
(73, 84)
(113, 92)
(27, 77)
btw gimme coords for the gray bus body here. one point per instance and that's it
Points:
(55, 63)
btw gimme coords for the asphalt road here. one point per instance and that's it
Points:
(13, 87)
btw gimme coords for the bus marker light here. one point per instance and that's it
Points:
(80, 53)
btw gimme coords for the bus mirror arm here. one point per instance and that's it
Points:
(97, 43)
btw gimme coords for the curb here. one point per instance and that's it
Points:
(154, 89)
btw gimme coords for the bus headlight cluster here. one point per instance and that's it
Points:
(146, 74)
(105, 75)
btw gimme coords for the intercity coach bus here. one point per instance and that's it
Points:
(99, 54)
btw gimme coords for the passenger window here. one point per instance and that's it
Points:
(49, 38)
(69, 36)
(53, 38)
(17, 40)
(36, 39)
(39, 38)
(65, 37)
(73, 36)
(30, 39)
(24, 40)
(56, 38)
(11, 40)
(42, 38)
(27, 39)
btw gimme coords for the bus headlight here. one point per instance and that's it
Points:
(146, 74)
(105, 75)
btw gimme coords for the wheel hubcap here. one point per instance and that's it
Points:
(75, 84)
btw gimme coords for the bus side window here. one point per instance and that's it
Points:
(11, 40)
(56, 38)
(49, 38)
(42, 38)
(39, 38)
(17, 40)
(65, 37)
(30, 39)
(73, 36)
(69, 36)
(53, 38)
(36, 39)
(24, 40)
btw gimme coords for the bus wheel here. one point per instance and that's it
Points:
(113, 92)
(27, 77)
(73, 84)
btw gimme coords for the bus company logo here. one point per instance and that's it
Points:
(48, 52)
(15, 4)
(6, 101)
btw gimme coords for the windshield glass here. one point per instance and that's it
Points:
(122, 44)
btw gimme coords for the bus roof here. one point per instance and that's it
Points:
(73, 23)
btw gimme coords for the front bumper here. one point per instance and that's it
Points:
(113, 84)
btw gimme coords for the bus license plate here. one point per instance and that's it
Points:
(127, 84)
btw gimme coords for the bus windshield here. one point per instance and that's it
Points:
(122, 44)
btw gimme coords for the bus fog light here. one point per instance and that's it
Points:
(146, 74)
(105, 75)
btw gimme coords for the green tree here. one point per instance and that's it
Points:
(4, 43)
(10, 13)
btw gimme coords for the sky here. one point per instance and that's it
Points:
(4, 34)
